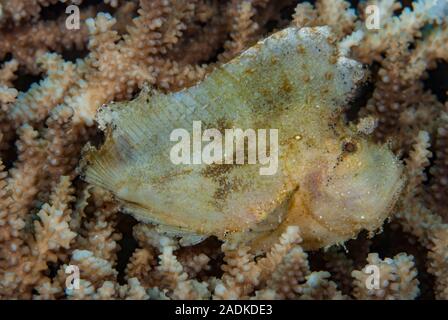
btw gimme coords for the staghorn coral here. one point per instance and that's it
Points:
(50, 219)
(397, 279)
(27, 42)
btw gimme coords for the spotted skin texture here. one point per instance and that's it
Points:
(332, 181)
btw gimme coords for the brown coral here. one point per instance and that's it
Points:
(50, 219)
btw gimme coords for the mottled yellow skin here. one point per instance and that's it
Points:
(343, 193)
(331, 180)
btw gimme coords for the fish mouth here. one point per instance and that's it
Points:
(363, 189)
(334, 203)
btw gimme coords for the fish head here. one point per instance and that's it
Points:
(350, 190)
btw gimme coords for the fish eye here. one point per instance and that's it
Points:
(349, 146)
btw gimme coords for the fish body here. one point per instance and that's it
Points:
(331, 180)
